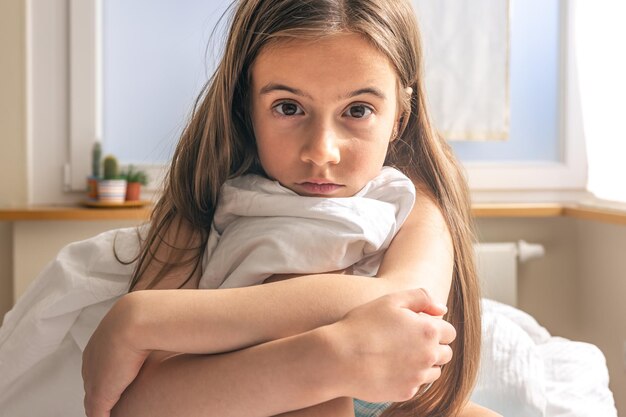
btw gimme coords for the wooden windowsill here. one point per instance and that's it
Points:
(482, 210)
(517, 210)
(74, 213)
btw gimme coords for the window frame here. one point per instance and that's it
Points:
(570, 173)
(84, 113)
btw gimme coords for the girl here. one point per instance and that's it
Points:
(316, 95)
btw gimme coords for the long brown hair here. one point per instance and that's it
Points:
(218, 143)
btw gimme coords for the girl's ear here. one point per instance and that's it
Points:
(406, 100)
(394, 133)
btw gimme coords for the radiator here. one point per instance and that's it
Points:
(497, 267)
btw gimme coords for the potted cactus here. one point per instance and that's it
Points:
(135, 179)
(111, 189)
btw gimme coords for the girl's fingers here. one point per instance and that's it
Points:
(430, 376)
(445, 356)
(419, 301)
(448, 333)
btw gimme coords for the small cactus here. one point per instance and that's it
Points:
(96, 156)
(110, 168)
(135, 175)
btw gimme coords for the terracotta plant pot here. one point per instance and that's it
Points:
(133, 191)
(92, 188)
(112, 191)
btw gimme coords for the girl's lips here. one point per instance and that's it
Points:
(320, 188)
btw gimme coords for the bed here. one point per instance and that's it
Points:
(527, 372)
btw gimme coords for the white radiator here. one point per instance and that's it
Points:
(497, 267)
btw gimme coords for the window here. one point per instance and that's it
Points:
(545, 149)
(142, 79)
(600, 35)
(560, 165)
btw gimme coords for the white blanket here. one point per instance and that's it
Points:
(525, 372)
(259, 224)
(261, 228)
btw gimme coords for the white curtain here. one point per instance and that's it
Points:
(466, 59)
(601, 57)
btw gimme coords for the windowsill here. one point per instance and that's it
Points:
(596, 211)
(73, 212)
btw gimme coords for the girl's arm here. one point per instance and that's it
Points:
(383, 350)
(210, 321)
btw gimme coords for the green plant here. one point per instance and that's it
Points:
(96, 160)
(135, 175)
(111, 170)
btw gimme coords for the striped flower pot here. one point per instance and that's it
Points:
(112, 191)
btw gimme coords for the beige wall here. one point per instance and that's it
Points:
(578, 289)
(602, 263)
(548, 286)
(35, 243)
(13, 180)
(6, 267)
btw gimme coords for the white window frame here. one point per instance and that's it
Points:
(85, 87)
(85, 116)
(571, 172)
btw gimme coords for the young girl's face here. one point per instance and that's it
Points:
(323, 113)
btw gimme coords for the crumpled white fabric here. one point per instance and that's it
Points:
(526, 372)
(262, 228)
(43, 336)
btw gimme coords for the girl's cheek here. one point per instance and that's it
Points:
(283, 123)
(372, 130)
(362, 154)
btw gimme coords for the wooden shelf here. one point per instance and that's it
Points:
(517, 210)
(74, 213)
(598, 214)
(482, 210)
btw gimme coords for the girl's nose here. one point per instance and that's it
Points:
(321, 147)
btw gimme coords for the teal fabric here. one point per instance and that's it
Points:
(365, 409)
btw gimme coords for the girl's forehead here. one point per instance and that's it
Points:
(342, 59)
(352, 47)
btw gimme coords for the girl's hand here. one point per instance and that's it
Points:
(390, 347)
(110, 362)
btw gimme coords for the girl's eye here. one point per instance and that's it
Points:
(288, 109)
(358, 111)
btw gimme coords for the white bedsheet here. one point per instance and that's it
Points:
(527, 372)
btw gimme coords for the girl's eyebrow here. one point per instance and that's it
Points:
(367, 90)
(282, 87)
